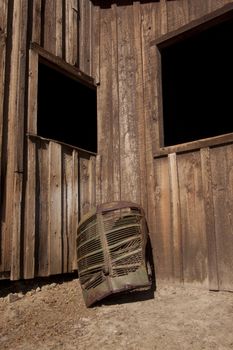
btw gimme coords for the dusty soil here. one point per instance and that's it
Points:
(51, 315)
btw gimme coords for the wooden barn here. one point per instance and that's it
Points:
(108, 100)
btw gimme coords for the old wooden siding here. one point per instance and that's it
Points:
(61, 189)
(45, 186)
(187, 198)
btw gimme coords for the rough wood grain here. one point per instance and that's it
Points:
(55, 209)
(209, 218)
(193, 219)
(130, 181)
(85, 45)
(72, 17)
(95, 70)
(67, 207)
(36, 21)
(222, 179)
(162, 239)
(139, 105)
(75, 211)
(115, 109)
(43, 190)
(105, 136)
(30, 213)
(3, 36)
(151, 28)
(176, 229)
(49, 32)
(177, 14)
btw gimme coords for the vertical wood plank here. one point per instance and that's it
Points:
(130, 184)
(105, 136)
(15, 138)
(115, 109)
(95, 71)
(49, 26)
(139, 107)
(152, 25)
(84, 36)
(176, 229)
(177, 14)
(209, 219)
(197, 8)
(161, 235)
(222, 179)
(42, 197)
(30, 212)
(92, 181)
(71, 31)
(55, 209)
(59, 28)
(36, 21)
(98, 180)
(84, 186)
(193, 219)
(3, 36)
(75, 211)
(67, 209)
(32, 92)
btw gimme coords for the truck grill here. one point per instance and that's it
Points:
(111, 245)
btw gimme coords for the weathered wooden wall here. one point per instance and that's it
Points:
(45, 186)
(187, 197)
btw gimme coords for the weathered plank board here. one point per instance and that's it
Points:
(105, 137)
(95, 59)
(76, 204)
(3, 36)
(55, 209)
(85, 44)
(36, 21)
(42, 167)
(130, 181)
(193, 218)
(209, 218)
(176, 228)
(154, 21)
(162, 239)
(72, 16)
(177, 13)
(49, 41)
(222, 179)
(139, 104)
(67, 207)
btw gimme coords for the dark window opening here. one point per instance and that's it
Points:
(67, 109)
(197, 76)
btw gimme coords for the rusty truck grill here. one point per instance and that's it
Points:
(111, 250)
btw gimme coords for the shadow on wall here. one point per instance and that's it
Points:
(108, 3)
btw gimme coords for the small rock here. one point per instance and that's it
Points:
(12, 297)
(38, 289)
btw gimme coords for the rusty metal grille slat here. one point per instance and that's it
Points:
(110, 246)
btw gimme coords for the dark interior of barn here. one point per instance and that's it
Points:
(67, 109)
(197, 75)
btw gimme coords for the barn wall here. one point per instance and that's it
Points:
(45, 186)
(187, 198)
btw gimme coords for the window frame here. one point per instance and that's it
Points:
(37, 55)
(207, 21)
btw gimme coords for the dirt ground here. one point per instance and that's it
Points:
(51, 314)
